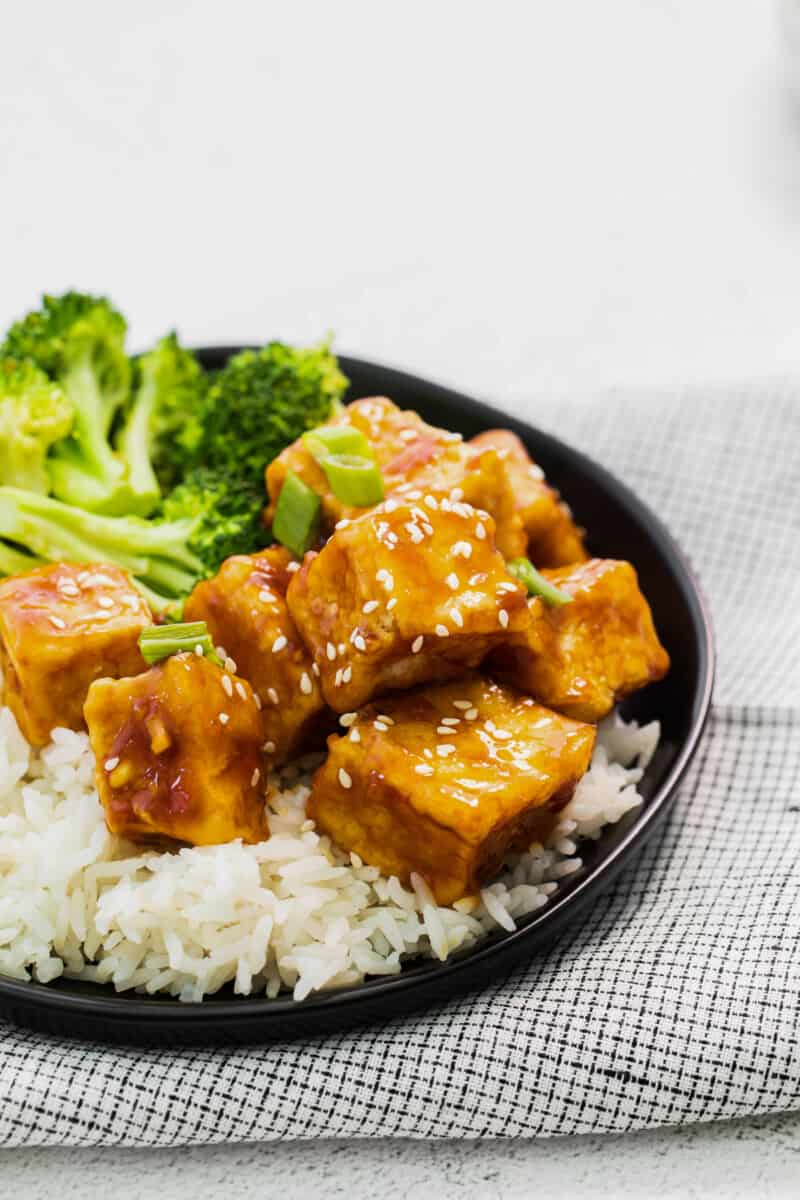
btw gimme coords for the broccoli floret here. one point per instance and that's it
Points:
(260, 402)
(79, 341)
(34, 413)
(227, 515)
(155, 552)
(169, 386)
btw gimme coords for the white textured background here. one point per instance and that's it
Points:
(517, 198)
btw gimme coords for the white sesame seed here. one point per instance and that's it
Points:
(452, 581)
(355, 736)
(105, 601)
(306, 686)
(390, 506)
(451, 720)
(370, 606)
(502, 734)
(442, 631)
(273, 695)
(457, 494)
(462, 704)
(257, 700)
(268, 747)
(59, 624)
(383, 717)
(227, 685)
(502, 617)
(415, 495)
(338, 680)
(445, 749)
(535, 472)
(347, 719)
(347, 674)
(471, 714)
(110, 763)
(432, 503)
(479, 577)
(445, 505)
(428, 753)
(457, 618)
(292, 567)
(414, 532)
(254, 778)
(344, 778)
(408, 435)
(391, 604)
(426, 528)
(330, 650)
(342, 524)
(416, 645)
(380, 725)
(423, 769)
(462, 550)
(480, 532)
(198, 650)
(315, 669)
(223, 718)
(359, 643)
(279, 644)
(265, 595)
(506, 587)
(444, 729)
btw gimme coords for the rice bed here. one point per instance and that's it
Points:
(293, 913)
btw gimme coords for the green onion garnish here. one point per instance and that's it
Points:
(336, 439)
(160, 641)
(354, 480)
(524, 570)
(296, 518)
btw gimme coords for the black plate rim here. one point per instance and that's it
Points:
(275, 1018)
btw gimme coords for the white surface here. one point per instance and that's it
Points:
(514, 198)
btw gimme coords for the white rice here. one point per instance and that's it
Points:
(292, 913)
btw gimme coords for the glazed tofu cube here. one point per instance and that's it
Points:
(447, 781)
(553, 538)
(61, 627)
(582, 657)
(403, 594)
(245, 609)
(178, 754)
(412, 455)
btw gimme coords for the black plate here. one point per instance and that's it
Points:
(619, 526)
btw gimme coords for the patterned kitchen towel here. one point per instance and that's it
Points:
(676, 999)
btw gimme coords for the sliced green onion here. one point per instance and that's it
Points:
(524, 570)
(160, 641)
(296, 519)
(354, 480)
(337, 439)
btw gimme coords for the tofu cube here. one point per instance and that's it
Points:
(553, 538)
(406, 593)
(178, 754)
(244, 606)
(582, 657)
(412, 455)
(447, 781)
(61, 627)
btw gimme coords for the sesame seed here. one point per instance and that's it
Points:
(347, 719)
(391, 604)
(330, 650)
(442, 631)
(414, 532)
(462, 704)
(359, 643)
(506, 587)
(338, 680)
(279, 644)
(254, 778)
(342, 648)
(426, 528)
(268, 747)
(451, 720)
(423, 769)
(457, 494)
(415, 495)
(306, 685)
(273, 695)
(59, 624)
(265, 595)
(390, 506)
(480, 532)
(315, 669)
(452, 581)
(445, 729)
(445, 505)
(227, 686)
(380, 725)
(347, 674)
(383, 717)
(223, 718)
(502, 734)
(462, 549)
(344, 778)
(370, 606)
(416, 645)
(222, 652)
(479, 577)
(432, 503)
(292, 567)
(386, 578)
(105, 601)
(110, 763)
(502, 617)
(535, 472)
(257, 700)
(342, 524)
(457, 618)
(408, 435)
(198, 650)
(444, 749)
(471, 714)
(355, 736)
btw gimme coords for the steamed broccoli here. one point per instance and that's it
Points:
(79, 342)
(169, 387)
(259, 402)
(156, 553)
(227, 514)
(34, 413)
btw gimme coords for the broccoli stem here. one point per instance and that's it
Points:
(84, 470)
(134, 446)
(14, 562)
